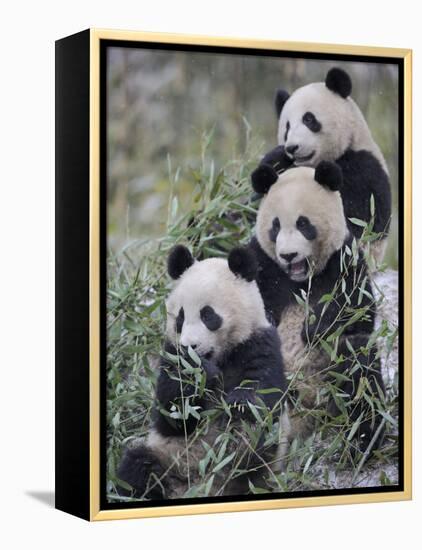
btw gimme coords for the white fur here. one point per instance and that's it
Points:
(239, 303)
(296, 193)
(183, 456)
(304, 367)
(343, 125)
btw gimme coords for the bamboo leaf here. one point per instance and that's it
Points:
(224, 462)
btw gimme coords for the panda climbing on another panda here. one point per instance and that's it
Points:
(321, 122)
(315, 285)
(220, 354)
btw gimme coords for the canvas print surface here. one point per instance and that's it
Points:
(252, 215)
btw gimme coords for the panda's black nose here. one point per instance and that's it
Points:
(292, 149)
(288, 257)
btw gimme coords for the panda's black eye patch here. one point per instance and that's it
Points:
(311, 122)
(274, 231)
(286, 133)
(306, 228)
(180, 319)
(210, 318)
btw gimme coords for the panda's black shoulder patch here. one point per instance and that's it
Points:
(281, 97)
(179, 260)
(339, 82)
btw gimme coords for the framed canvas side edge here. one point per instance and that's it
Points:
(407, 305)
(72, 160)
(94, 270)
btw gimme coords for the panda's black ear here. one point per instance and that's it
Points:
(339, 82)
(243, 263)
(281, 97)
(263, 178)
(179, 260)
(329, 175)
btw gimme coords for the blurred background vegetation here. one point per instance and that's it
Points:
(162, 103)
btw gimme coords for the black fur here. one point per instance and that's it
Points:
(364, 176)
(281, 97)
(308, 230)
(338, 81)
(271, 166)
(179, 260)
(263, 178)
(286, 133)
(324, 282)
(210, 318)
(242, 263)
(278, 292)
(273, 283)
(180, 319)
(361, 175)
(140, 469)
(257, 362)
(370, 369)
(170, 389)
(274, 231)
(329, 175)
(311, 122)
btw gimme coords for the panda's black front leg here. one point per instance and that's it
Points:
(364, 389)
(140, 468)
(271, 166)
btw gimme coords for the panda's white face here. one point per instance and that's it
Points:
(300, 223)
(316, 124)
(212, 310)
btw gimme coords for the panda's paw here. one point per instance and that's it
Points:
(263, 178)
(278, 159)
(239, 399)
(140, 469)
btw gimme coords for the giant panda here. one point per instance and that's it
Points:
(320, 121)
(222, 363)
(313, 280)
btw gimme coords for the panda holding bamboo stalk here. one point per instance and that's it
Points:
(290, 315)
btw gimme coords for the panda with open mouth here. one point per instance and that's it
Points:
(221, 358)
(313, 280)
(321, 122)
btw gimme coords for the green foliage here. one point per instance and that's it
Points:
(218, 217)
